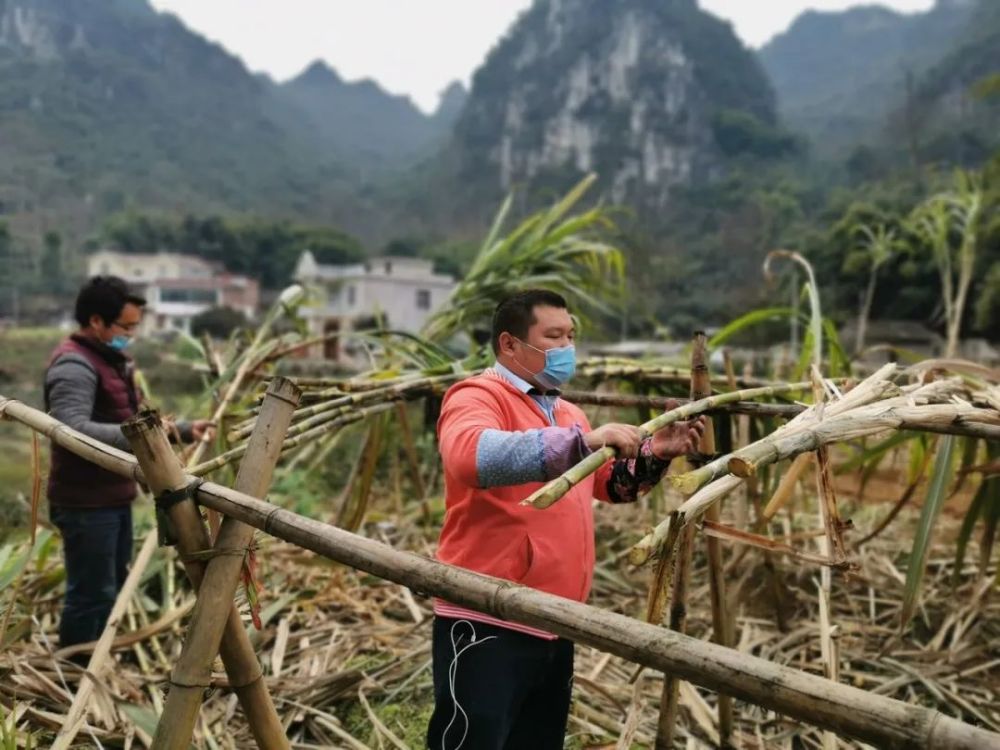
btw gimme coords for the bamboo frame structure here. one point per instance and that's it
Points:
(870, 717)
(163, 472)
(192, 673)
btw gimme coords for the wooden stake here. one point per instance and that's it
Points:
(721, 624)
(678, 622)
(162, 472)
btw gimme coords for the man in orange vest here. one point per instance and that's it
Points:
(499, 685)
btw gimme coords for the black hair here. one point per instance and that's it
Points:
(105, 296)
(516, 314)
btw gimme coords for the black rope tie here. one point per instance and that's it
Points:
(164, 502)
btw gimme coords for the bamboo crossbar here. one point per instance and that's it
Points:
(815, 700)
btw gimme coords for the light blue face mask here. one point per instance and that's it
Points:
(560, 366)
(119, 343)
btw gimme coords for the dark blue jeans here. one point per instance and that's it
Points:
(97, 548)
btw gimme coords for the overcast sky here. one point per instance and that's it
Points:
(416, 47)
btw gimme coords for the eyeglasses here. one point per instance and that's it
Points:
(127, 327)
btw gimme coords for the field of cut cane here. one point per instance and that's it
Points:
(347, 656)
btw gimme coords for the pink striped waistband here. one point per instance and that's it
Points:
(444, 609)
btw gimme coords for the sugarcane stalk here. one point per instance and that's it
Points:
(558, 487)
(659, 587)
(345, 402)
(223, 459)
(786, 487)
(793, 439)
(767, 544)
(875, 388)
(412, 458)
(626, 400)
(193, 671)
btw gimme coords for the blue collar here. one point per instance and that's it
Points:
(515, 380)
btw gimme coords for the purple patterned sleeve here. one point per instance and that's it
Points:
(505, 459)
(633, 477)
(562, 448)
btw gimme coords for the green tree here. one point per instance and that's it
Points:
(217, 322)
(52, 266)
(569, 253)
(876, 247)
(949, 223)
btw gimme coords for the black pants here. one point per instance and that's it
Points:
(512, 690)
(97, 548)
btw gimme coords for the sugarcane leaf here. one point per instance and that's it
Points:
(991, 517)
(875, 453)
(970, 449)
(15, 563)
(933, 502)
(840, 362)
(977, 508)
(143, 717)
(747, 321)
(918, 454)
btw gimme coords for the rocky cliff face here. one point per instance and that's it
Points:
(630, 89)
(840, 74)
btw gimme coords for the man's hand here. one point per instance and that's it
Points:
(623, 437)
(202, 429)
(678, 439)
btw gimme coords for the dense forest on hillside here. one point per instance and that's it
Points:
(126, 129)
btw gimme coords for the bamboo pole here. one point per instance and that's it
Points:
(815, 700)
(193, 671)
(163, 472)
(721, 624)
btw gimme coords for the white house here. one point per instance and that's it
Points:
(403, 292)
(177, 287)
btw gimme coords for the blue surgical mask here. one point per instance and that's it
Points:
(119, 343)
(560, 365)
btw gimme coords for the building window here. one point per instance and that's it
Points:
(423, 299)
(351, 296)
(196, 296)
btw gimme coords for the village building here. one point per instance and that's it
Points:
(177, 287)
(400, 293)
